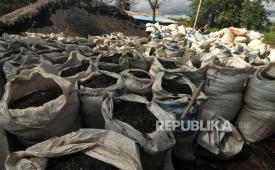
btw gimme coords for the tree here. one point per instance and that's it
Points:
(217, 13)
(226, 13)
(155, 4)
(254, 15)
(122, 4)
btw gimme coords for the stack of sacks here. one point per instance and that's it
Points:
(248, 45)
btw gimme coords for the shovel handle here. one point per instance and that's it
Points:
(194, 97)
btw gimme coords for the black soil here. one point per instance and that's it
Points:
(168, 64)
(257, 156)
(196, 63)
(174, 87)
(152, 51)
(152, 162)
(68, 17)
(140, 74)
(99, 81)
(129, 55)
(75, 69)
(111, 59)
(36, 99)
(77, 161)
(135, 114)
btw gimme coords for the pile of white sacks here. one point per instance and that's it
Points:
(244, 44)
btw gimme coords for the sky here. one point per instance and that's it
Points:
(181, 8)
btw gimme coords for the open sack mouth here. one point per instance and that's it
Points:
(114, 59)
(99, 81)
(135, 114)
(68, 72)
(174, 87)
(168, 64)
(268, 73)
(78, 161)
(36, 99)
(140, 74)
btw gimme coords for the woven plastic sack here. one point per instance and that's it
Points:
(195, 68)
(13, 67)
(47, 107)
(224, 87)
(151, 51)
(117, 112)
(136, 61)
(4, 148)
(77, 72)
(174, 86)
(224, 141)
(137, 81)
(91, 91)
(172, 92)
(113, 62)
(173, 50)
(257, 116)
(165, 65)
(106, 146)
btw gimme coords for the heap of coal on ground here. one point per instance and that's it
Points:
(72, 17)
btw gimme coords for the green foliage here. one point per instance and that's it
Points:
(217, 13)
(269, 37)
(254, 15)
(123, 4)
(226, 13)
(7, 6)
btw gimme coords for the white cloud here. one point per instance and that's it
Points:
(181, 7)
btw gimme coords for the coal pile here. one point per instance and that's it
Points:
(73, 17)
(174, 87)
(78, 161)
(99, 81)
(36, 99)
(140, 74)
(136, 115)
(111, 59)
(75, 69)
(168, 64)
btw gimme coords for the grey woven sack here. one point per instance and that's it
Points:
(4, 148)
(223, 141)
(119, 115)
(224, 87)
(37, 106)
(165, 65)
(104, 146)
(173, 92)
(91, 91)
(137, 81)
(113, 62)
(257, 116)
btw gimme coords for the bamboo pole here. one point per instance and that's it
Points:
(197, 16)
(193, 100)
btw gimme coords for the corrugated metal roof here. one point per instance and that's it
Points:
(148, 17)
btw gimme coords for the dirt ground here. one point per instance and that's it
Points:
(257, 156)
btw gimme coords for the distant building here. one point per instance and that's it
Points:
(147, 17)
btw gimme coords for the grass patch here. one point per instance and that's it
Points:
(214, 29)
(269, 37)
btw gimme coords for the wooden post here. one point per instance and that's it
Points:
(197, 16)
(194, 97)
